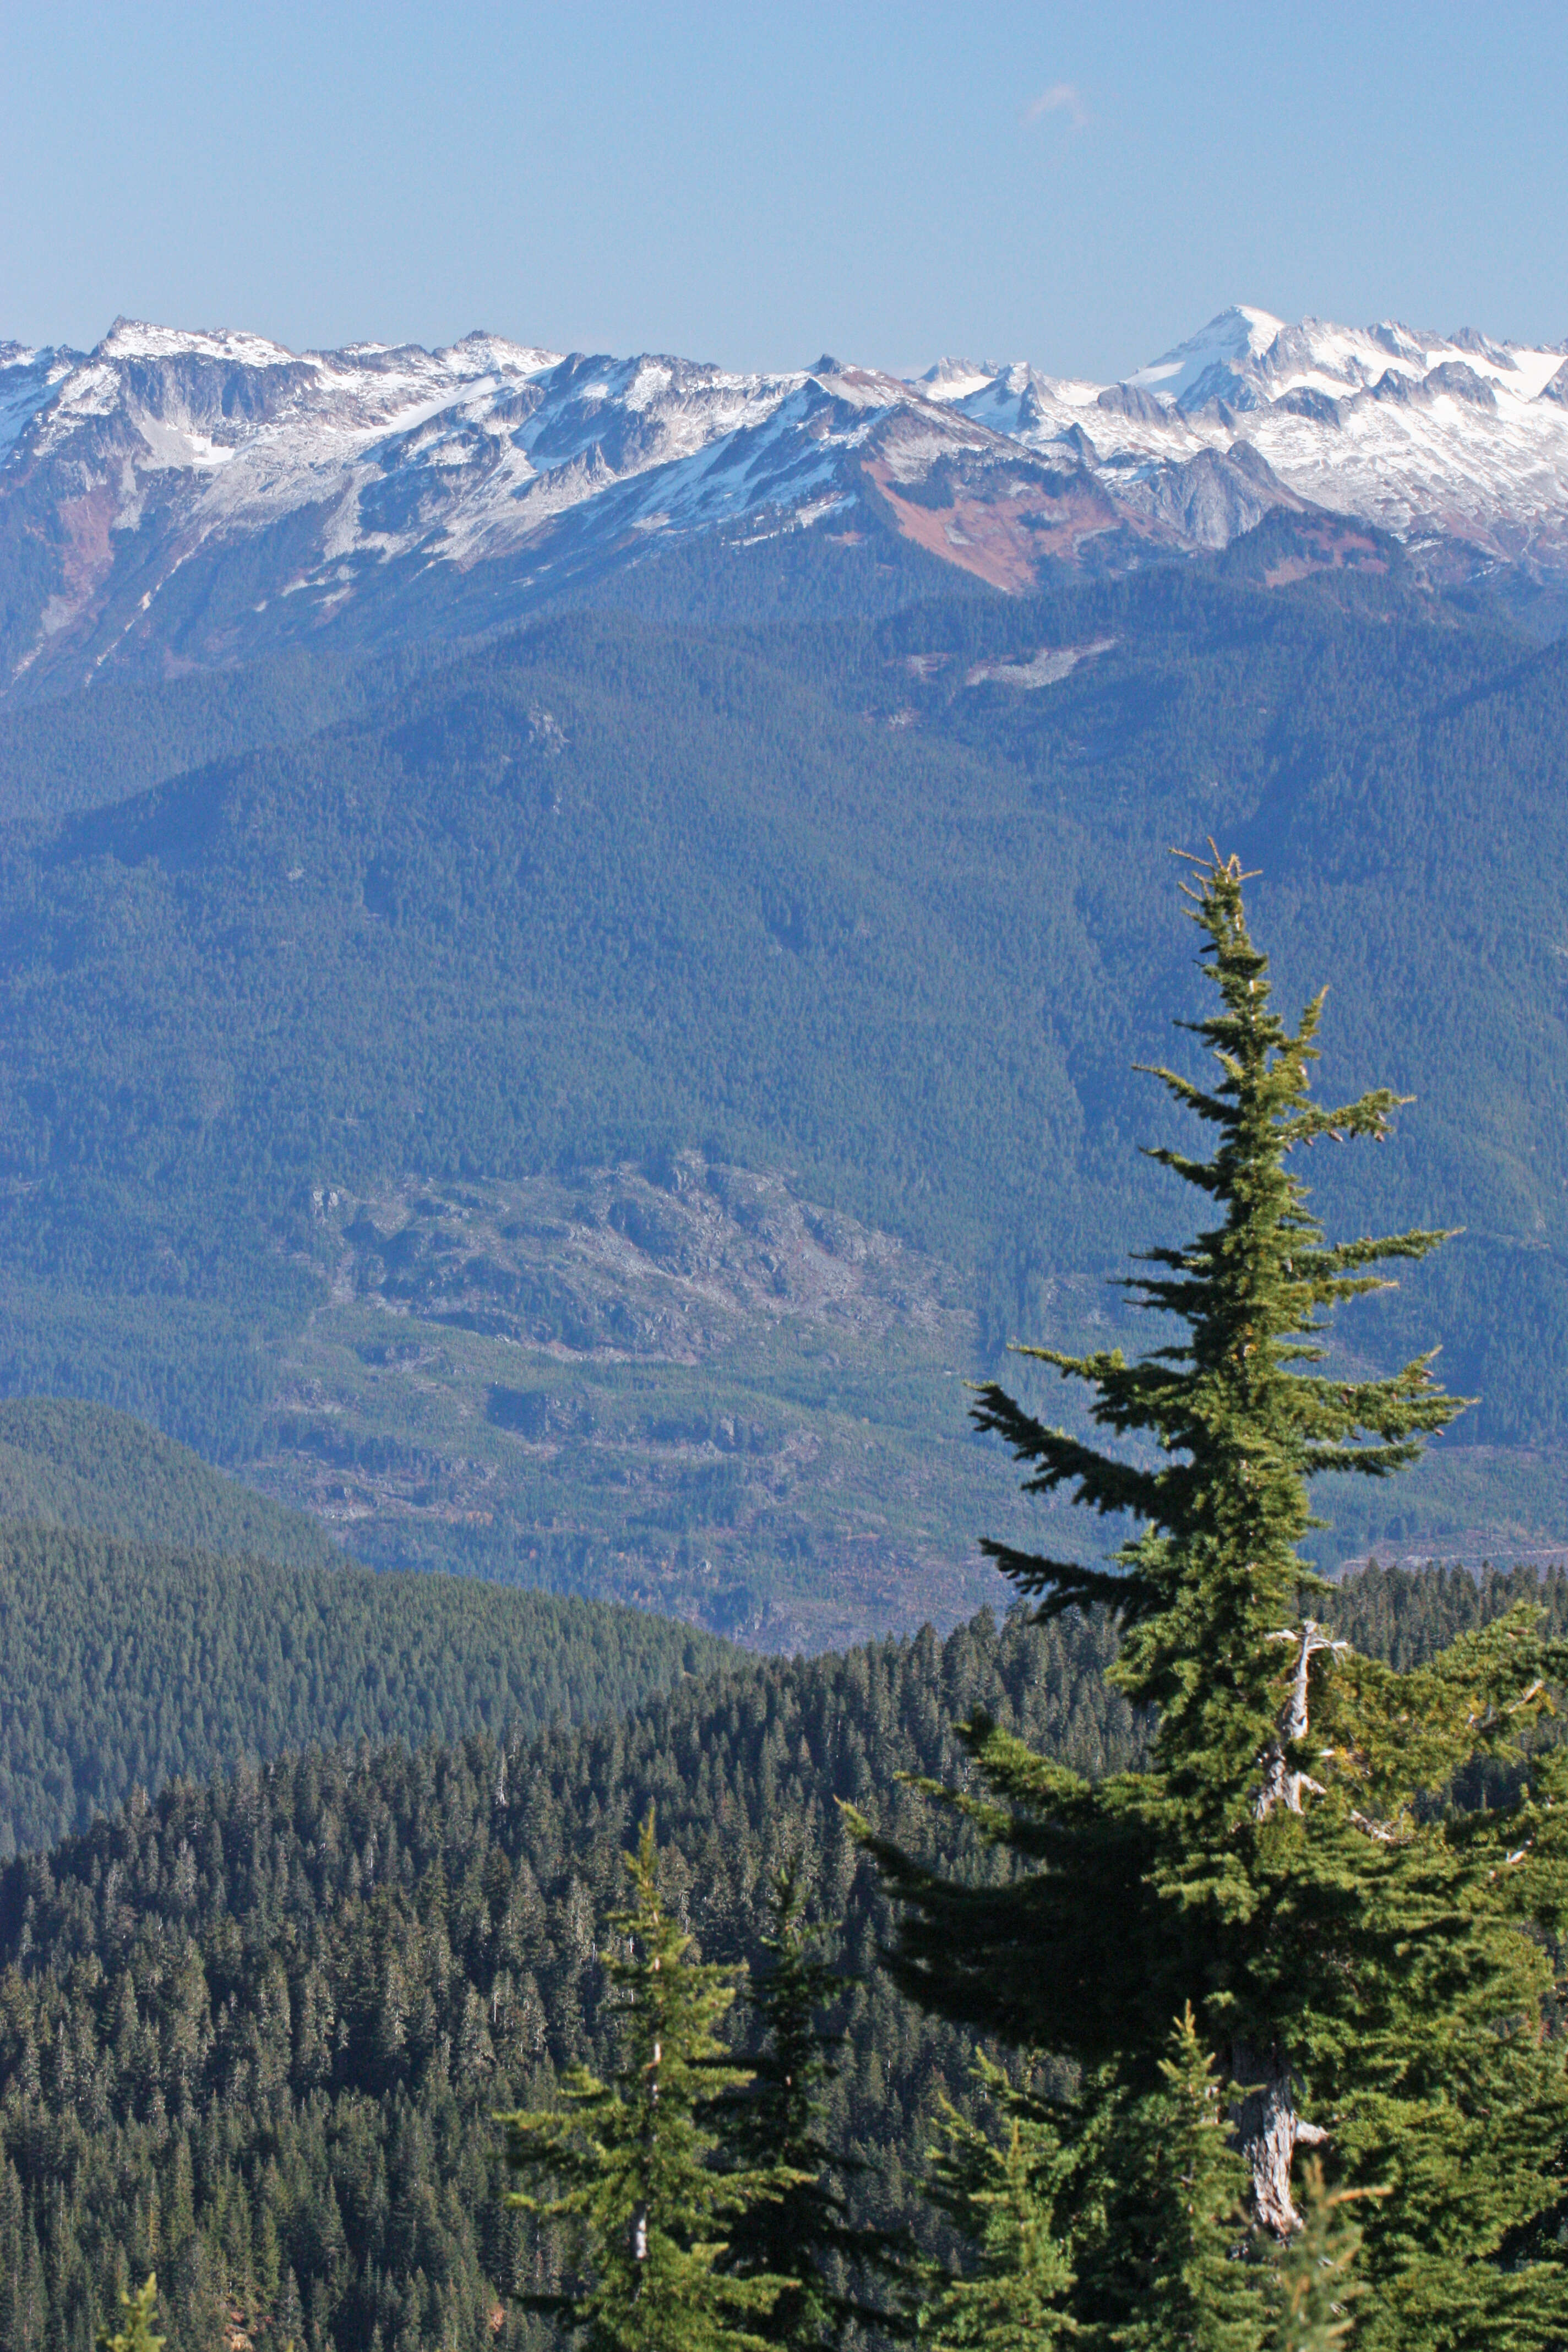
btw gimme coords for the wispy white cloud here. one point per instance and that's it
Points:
(1062, 98)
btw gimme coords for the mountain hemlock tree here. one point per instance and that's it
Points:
(1141, 2214)
(805, 2235)
(632, 2162)
(1369, 1965)
(1170, 2196)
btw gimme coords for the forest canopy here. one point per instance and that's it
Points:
(130, 1665)
(257, 2030)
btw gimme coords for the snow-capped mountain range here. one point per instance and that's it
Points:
(174, 500)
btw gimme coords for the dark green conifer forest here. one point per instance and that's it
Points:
(70, 1464)
(257, 2029)
(130, 1665)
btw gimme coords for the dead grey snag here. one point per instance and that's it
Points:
(1268, 2128)
(1280, 1785)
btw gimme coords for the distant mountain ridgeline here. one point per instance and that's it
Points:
(82, 749)
(254, 2035)
(888, 905)
(181, 500)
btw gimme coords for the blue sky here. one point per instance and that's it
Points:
(1077, 185)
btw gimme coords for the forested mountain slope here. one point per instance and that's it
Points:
(255, 2034)
(884, 906)
(127, 1664)
(67, 1464)
(83, 749)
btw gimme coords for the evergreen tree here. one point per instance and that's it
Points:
(1352, 1949)
(805, 2235)
(1168, 2196)
(1114, 2223)
(1011, 2292)
(631, 2163)
(290, 2316)
(138, 2315)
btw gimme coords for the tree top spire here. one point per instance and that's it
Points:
(1224, 1426)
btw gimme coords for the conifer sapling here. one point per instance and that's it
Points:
(774, 2127)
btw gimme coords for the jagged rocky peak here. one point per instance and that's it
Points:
(950, 379)
(1400, 343)
(1468, 340)
(1453, 376)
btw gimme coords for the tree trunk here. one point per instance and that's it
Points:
(1268, 2128)
(1269, 2131)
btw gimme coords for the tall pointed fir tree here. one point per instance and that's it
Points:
(625, 2169)
(1369, 1967)
(836, 2270)
(1010, 2288)
(1159, 2258)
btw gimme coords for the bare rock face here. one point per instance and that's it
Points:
(678, 1383)
(1454, 377)
(1127, 399)
(1214, 497)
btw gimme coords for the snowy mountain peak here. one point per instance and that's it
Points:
(201, 493)
(134, 339)
(1226, 345)
(951, 379)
